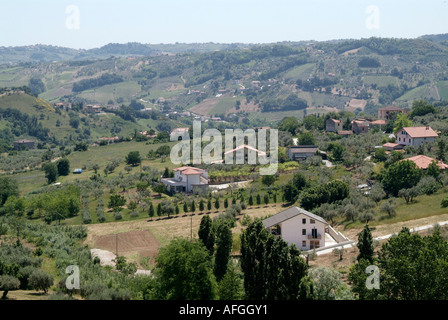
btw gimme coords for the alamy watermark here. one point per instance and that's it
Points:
(72, 281)
(236, 142)
(73, 20)
(373, 281)
(373, 20)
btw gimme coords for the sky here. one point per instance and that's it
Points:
(86, 24)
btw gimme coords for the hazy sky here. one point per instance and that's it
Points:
(93, 23)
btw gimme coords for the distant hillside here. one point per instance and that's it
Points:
(264, 82)
(23, 116)
(436, 37)
(48, 53)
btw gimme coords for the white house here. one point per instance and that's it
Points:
(415, 136)
(186, 179)
(300, 227)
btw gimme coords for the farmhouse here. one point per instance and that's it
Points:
(333, 125)
(415, 136)
(23, 144)
(392, 146)
(93, 108)
(186, 179)
(423, 162)
(298, 153)
(66, 106)
(345, 133)
(300, 227)
(179, 130)
(360, 126)
(386, 112)
(106, 140)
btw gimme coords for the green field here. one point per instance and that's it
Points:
(380, 81)
(442, 86)
(224, 104)
(112, 92)
(275, 116)
(300, 72)
(101, 155)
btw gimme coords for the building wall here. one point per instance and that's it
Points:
(386, 114)
(360, 128)
(406, 140)
(331, 126)
(192, 179)
(295, 156)
(291, 231)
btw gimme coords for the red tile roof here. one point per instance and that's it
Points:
(392, 145)
(423, 162)
(420, 132)
(192, 171)
(189, 170)
(378, 122)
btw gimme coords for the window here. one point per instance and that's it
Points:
(303, 221)
(312, 221)
(303, 232)
(303, 243)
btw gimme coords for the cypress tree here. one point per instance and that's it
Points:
(266, 198)
(206, 234)
(365, 244)
(217, 203)
(201, 205)
(159, 209)
(223, 249)
(209, 204)
(251, 200)
(151, 210)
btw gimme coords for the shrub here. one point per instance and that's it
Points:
(428, 185)
(8, 283)
(444, 203)
(409, 194)
(118, 215)
(40, 280)
(134, 214)
(389, 207)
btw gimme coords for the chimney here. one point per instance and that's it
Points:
(427, 127)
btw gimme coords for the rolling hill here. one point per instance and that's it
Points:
(218, 79)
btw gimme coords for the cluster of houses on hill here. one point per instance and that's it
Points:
(406, 136)
(360, 126)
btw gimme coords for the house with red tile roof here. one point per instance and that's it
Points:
(186, 179)
(423, 162)
(415, 136)
(392, 146)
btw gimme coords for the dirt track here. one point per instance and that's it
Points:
(141, 242)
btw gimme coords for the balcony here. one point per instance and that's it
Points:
(310, 237)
